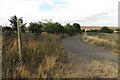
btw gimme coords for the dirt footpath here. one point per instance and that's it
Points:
(82, 54)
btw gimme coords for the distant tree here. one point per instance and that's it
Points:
(13, 22)
(94, 30)
(53, 27)
(6, 28)
(106, 30)
(83, 30)
(88, 31)
(77, 27)
(69, 29)
(7, 31)
(35, 28)
(118, 30)
(58, 28)
(49, 27)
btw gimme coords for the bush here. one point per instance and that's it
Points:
(95, 30)
(69, 29)
(6, 28)
(105, 30)
(59, 28)
(83, 30)
(118, 30)
(8, 32)
(52, 27)
(77, 28)
(35, 28)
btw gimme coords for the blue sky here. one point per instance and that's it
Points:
(85, 12)
(46, 7)
(51, 6)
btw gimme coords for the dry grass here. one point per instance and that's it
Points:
(108, 42)
(84, 67)
(42, 56)
(96, 69)
(103, 70)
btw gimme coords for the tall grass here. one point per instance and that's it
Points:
(109, 41)
(42, 56)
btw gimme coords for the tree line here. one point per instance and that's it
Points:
(51, 27)
(104, 29)
(46, 26)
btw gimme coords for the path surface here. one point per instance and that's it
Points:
(83, 53)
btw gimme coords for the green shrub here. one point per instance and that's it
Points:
(105, 30)
(52, 27)
(69, 30)
(77, 27)
(36, 28)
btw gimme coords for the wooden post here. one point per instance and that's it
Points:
(19, 39)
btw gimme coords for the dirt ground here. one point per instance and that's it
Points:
(85, 57)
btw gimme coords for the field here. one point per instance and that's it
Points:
(109, 41)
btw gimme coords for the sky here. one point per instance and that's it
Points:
(84, 12)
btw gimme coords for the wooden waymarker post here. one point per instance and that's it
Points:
(19, 39)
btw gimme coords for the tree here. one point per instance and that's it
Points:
(49, 27)
(93, 30)
(53, 27)
(77, 27)
(69, 29)
(58, 28)
(13, 23)
(118, 30)
(36, 28)
(106, 30)
(6, 28)
(83, 30)
(7, 31)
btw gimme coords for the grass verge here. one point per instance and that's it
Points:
(42, 56)
(111, 45)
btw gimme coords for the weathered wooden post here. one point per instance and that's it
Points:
(19, 39)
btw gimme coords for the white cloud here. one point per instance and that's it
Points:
(86, 12)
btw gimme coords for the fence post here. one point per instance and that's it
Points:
(19, 39)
